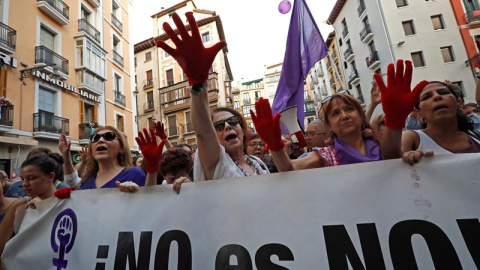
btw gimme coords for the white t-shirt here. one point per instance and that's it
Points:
(226, 168)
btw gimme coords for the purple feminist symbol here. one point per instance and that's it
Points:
(63, 235)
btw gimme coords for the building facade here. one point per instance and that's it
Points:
(377, 33)
(162, 79)
(73, 61)
(467, 14)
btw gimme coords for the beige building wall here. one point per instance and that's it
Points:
(171, 94)
(78, 38)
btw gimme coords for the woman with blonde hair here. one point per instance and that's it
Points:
(109, 162)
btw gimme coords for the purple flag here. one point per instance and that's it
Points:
(305, 47)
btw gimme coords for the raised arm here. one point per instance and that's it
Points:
(160, 132)
(398, 101)
(152, 153)
(375, 99)
(196, 61)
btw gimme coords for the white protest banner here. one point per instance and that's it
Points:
(379, 215)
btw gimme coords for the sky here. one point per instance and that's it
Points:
(255, 30)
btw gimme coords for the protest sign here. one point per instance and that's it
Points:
(379, 215)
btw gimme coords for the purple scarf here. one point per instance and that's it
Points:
(346, 154)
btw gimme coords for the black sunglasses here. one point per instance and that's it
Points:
(220, 125)
(325, 100)
(108, 136)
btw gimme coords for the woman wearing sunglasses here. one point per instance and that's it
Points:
(222, 136)
(109, 162)
(343, 115)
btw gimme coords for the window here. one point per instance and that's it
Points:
(172, 125)
(188, 123)
(117, 83)
(206, 37)
(166, 55)
(308, 107)
(378, 71)
(437, 22)
(401, 3)
(120, 123)
(88, 113)
(135, 61)
(258, 95)
(149, 78)
(408, 28)
(150, 97)
(360, 94)
(305, 95)
(46, 100)
(251, 126)
(246, 97)
(461, 88)
(85, 14)
(236, 105)
(246, 110)
(417, 59)
(169, 74)
(447, 53)
(148, 56)
(47, 38)
(90, 62)
(116, 44)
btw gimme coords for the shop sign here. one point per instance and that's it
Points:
(65, 86)
(8, 60)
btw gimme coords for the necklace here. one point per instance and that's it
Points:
(250, 163)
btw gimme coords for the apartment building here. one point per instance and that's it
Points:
(467, 14)
(161, 83)
(65, 67)
(249, 93)
(335, 68)
(376, 33)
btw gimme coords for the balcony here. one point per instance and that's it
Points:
(353, 78)
(329, 66)
(48, 126)
(348, 54)
(309, 108)
(373, 61)
(366, 34)
(247, 101)
(332, 82)
(85, 26)
(117, 58)
(171, 102)
(361, 99)
(319, 72)
(8, 38)
(56, 9)
(147, 84)
(149, 106)
(84, 132)
(361, 9)
(94, 3)
(117, 23)
(323, 92)
(119, 98)
(345, 32)
(6, 115)
(473, 17)
(43, 55)
(335, 56)
(474, 64)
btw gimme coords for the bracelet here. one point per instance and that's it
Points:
(197, 88)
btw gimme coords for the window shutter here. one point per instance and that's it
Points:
(94, 114)
(3, 82)
(82, 111)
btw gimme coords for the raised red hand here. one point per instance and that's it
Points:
(267, 125)
(151, 151)
(63, 193)
(398, 100)
(190, 53)
(160, 130)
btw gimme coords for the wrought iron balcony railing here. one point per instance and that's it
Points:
(48, 57)
(117, 23)
(8, 36)
(345, 31)
(149, 106)
(117, 58)
(119, 98)
(372, 58)
(473, 16)
(365, 31)
(85, 26)
(361, 8)
(59, 6)
(6, 115)
(347, 53)
(48, 122)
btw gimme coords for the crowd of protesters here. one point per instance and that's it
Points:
(432, 119)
